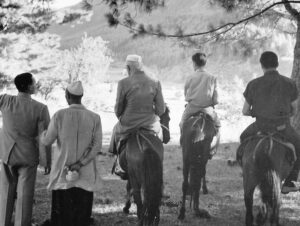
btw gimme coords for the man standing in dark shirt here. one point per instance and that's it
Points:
(271, 99)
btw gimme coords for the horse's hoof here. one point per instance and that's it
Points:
(181, 216)
(201, 213)
(205, 191)
(125, 210)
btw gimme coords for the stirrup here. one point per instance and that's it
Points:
(286, 189)
(117, 169)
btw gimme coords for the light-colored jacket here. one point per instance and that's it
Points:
(22, 119)
(76, 129)
(139, 101)
(200, 89)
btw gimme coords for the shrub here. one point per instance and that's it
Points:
(88, 62)
(5, 80)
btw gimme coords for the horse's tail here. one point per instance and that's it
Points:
(268, 179)
(153, 177)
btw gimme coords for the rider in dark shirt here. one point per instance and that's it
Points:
(271, 99)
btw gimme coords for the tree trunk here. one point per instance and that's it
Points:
(296, 77)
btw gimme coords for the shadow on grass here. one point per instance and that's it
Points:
(224, 202)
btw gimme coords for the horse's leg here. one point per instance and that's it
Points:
(248, 198)
(185, 187)
(128, 197)
(204, 186)
(274, 219)
(157, 218)
(197, 173)
(262, 214)
(139, 205)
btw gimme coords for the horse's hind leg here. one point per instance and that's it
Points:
(248, 198)
(139, 205)
(128, 197)
(197, 173)
(274, 219)
(185, 187)
(262, 215)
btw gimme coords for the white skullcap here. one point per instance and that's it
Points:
(134, 60)
(75, 88)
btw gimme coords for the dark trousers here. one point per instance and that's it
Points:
(20, 180)
(289, 133)
(71, 207)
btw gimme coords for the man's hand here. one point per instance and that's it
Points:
(47, 170)
(76, 166)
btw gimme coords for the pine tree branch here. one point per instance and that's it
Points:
(219, 30)
(291, 10)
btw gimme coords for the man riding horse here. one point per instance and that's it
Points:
(200, 92)
(271, 99)
(138, 105)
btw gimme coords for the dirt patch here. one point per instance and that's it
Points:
(224, 201)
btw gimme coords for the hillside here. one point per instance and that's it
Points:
(161, 52)
(165, 56)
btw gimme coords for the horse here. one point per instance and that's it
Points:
(197, 135)
(267, 160)
(143, 163)
(156, 144)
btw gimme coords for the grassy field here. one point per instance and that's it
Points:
(224, 201)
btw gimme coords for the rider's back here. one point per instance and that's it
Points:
(271, 96)
(200, 89)
(143, 100)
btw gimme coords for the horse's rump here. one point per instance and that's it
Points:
(144, 155)
(197, 132)
(269, 151)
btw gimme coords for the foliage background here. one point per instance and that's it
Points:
(89, 48)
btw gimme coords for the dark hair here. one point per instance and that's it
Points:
(199, 59)
(23, 81)
(269, 59)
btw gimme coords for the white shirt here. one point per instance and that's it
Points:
(76, 129)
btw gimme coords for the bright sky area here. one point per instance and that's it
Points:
(57, 4)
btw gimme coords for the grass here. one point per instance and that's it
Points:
(224, 201)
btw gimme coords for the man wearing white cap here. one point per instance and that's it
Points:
(73, 176)
(139, 102)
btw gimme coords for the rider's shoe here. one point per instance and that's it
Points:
(289, 187)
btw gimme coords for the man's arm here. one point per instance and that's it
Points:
(50, 135)
(93, 149)
(45, 151)
(294, 107)
(186, 86)
(120, 101)
(247, 109)
(215, 96)
(159, 101)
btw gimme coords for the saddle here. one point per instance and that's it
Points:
(199, 130)
(274, 137)
(206, 118)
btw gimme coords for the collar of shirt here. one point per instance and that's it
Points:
(200, 70)
(80, 106)
(24, 95)
(271, 73)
